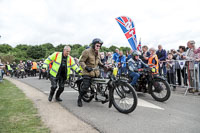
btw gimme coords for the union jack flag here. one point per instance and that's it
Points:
(128, 28)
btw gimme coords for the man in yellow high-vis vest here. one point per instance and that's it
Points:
(60, 70)
(8, 68)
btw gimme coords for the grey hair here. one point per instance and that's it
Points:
(152, 49)
(67, 47)
(192, 42)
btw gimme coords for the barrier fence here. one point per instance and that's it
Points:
(185, 72)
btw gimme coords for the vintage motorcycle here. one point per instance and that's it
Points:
(111, 90)
(21, 73)
(153, 84)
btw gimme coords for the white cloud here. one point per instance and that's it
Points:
(171, 23)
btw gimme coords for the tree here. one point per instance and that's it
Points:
(47, 46)
(6, 58)
(23, 47)
(104, 49)
(60, 47)
(36, 52)
(76, 46)
(112, 48)
(5, 48)
(125, 49)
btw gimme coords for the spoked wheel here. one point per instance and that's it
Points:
(124, 98)
(88, 96)
(160, 90)
(72, 81)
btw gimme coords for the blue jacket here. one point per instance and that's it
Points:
(134, 65)
(129, 56)
(162, 55)
(122, 60)
(115, 57)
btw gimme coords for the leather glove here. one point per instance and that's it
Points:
(89, 69)
(79, 71)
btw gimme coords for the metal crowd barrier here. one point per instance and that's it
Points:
(184, 65)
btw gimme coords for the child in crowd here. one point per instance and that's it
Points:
(171, 78)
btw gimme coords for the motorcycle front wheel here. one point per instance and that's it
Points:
(124, 98)
(160, 90)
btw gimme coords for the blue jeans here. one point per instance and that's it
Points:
(134, 76)
(122, 70)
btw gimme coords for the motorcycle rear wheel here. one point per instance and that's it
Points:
(88, 96)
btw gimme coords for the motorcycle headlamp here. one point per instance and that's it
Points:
(153, 70)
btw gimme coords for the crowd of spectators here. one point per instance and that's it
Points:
(180, 67)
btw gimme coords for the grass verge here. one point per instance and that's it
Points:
(17, 113)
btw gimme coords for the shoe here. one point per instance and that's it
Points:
(58, 99)
(50, 98)
(79, 102)
(191, 90)
(174, 88)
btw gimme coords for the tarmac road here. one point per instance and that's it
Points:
(180, 114)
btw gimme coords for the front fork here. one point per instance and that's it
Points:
(111, 87)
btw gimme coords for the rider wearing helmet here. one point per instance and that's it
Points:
(90, 59)
(134, 65)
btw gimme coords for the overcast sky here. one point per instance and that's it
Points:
(170, 22)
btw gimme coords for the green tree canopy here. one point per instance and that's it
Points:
(36, 52)
(76, 46)
(5, 48)
(27, 52)
(60, 47)
(47, 46)
(22, 47)
(112, 48)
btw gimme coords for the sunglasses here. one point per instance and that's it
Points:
(98, 46)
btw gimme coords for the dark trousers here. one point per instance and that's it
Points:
(34, 72)
(86, 83)
(54, 81)
(171, 78)
(184, 76)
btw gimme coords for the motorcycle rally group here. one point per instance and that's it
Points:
(140, 70)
